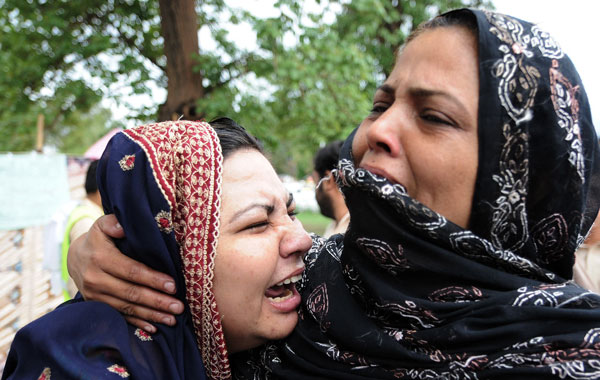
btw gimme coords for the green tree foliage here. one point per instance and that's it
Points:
(323, 81)
(62, 57)
(50, 52)
(310, 80)
(380, 27)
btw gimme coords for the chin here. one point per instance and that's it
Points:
(284, 326)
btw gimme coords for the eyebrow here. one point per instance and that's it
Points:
(269, 208)
(386, 88)
(419, 92)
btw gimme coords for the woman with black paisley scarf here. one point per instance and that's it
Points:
(470, 186)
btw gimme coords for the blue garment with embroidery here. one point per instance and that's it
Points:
(138, 177)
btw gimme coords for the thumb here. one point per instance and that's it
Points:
(109, 225)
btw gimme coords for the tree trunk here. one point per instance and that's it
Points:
(179, 26)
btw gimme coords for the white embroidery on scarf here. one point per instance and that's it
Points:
(566, 106)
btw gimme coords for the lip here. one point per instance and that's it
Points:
(290, 304)
(294, 273)
(380, 172)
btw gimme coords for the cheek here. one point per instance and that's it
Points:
(242, 273)
(469, 164)
(455, 184)
(453, 162)
(359, 144)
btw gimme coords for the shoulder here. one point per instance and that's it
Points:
(80, 319)
(79, 338)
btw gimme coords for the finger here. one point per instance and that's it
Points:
(122, 266)
(74, 261)
(140, 313)
(135, 294)
(125, 268)
(147, 327)
(109, 225)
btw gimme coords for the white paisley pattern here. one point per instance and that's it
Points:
(518, 87)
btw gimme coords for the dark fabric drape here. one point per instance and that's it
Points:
(408, 294)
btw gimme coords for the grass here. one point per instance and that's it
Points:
(314, 221)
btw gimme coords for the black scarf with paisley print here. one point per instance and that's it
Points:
(408, 294)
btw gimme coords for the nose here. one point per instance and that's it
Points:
(295, 240)
(383, 135)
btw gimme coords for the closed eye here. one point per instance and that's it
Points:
(256, 226)
(378, 109)
(433, 118)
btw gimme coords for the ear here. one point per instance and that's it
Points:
(329, 182)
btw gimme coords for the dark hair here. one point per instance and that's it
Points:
(234, 137)
(461, 17)
(327, 157)
(91, 186)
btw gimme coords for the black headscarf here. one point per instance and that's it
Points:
(408, 294)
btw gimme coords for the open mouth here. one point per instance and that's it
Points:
(284, 290)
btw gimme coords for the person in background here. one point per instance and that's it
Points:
(79, 222)
(328, 196)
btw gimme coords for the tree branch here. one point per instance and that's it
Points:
(131, 43)
(243, 62)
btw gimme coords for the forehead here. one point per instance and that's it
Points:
(444, 57)
(247, 176)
